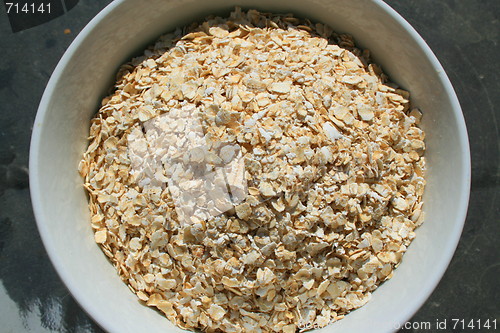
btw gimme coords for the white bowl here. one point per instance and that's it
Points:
(125, 27)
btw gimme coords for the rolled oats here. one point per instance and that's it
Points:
(254, 174)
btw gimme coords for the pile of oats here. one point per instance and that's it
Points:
(332, 175)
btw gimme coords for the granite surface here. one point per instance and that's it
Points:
(464, 34)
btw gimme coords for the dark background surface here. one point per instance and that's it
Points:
(464, 34)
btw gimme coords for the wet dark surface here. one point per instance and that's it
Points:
(464, 34)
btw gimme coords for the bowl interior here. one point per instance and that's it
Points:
(86, 72)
